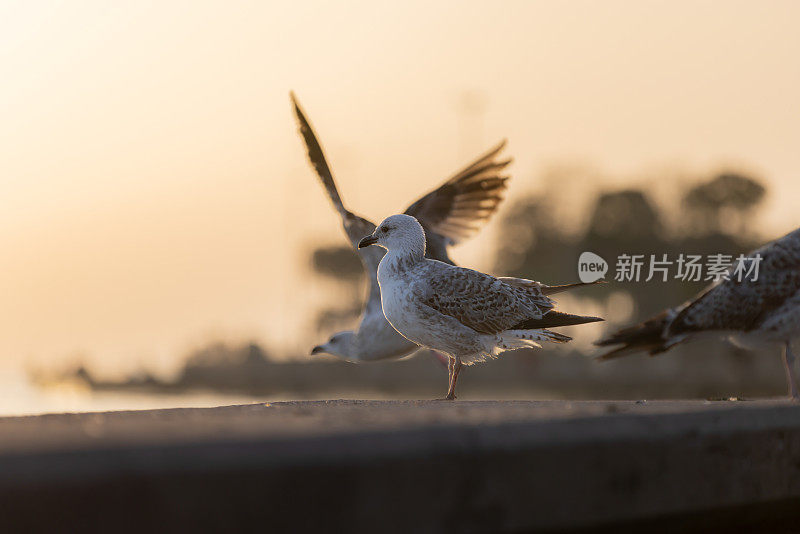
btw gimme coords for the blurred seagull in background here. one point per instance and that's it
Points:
(454, 211)
(465, 314)
(752, 311)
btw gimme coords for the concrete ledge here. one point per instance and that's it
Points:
(422, 466)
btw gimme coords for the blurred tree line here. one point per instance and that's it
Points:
(541, 237)
(715, 217)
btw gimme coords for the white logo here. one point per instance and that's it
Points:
(591, 267)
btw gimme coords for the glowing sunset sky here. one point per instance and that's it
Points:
(150, 161)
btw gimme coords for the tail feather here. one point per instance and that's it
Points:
(649, 336)
(552, 290)
(555, 337)
(518, 339)
(544, 288)
(554, 318)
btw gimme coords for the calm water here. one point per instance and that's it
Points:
(18, 396)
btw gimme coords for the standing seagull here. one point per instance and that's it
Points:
(453, 212)
(756, 311)
(465, 314)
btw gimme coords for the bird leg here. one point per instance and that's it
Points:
(456, 368)
(441, 358)
(791, 376)
(450, 364)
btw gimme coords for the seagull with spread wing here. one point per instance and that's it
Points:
(467, 315)
(759, 309)
(454, 211)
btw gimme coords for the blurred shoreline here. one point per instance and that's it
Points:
(704, 370)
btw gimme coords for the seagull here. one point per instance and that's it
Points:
(451, 213)
(467, 315)
(751, 311)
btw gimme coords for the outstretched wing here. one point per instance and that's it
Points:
(355, 226)
(482, 302)
(459, 207)
(746, 304)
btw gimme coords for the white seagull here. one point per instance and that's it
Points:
(751, 311)
(454, 211)
(465, 314)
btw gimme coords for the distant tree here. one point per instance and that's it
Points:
(218, 352)
(337, 261)
(624, 216)
(255, 354)
(532, 241)
(342, 265)
(535, 245)
(722, 205)
(332, 319)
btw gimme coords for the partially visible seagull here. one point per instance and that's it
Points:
(454, 211)
(751, 311)
(465, 314)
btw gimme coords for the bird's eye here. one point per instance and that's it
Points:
(384, 229)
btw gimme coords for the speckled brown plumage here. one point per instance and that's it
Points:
(766, 308)
(484, 303)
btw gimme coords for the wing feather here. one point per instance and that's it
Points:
(354, 225)
(475, 191)
(744, 305)
(317, 156)
(482, 302)
(729, 305)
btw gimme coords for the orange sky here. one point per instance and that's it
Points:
(150, 160)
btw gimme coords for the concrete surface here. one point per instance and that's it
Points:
(414, 466)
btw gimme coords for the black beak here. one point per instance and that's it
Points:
(367, 241)
(316, 350)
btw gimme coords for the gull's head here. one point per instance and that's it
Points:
(340, 344)
(401, 233)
